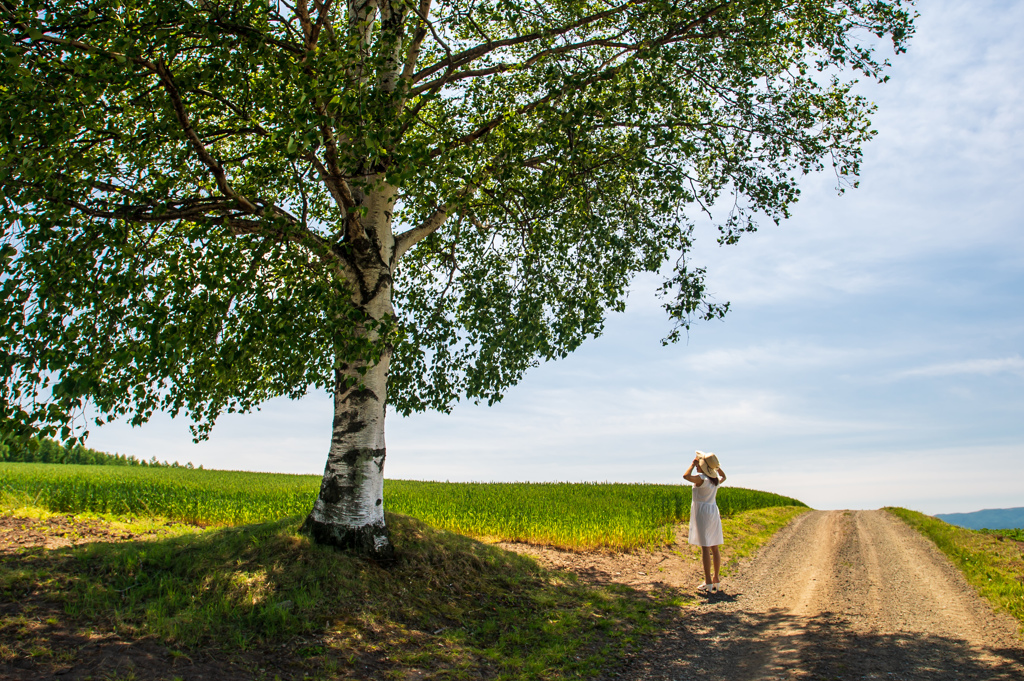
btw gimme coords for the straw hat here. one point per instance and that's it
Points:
(708, 464)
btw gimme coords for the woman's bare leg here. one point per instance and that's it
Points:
(718, 561)
(705, 556)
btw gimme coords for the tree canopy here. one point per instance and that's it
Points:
(187, 203)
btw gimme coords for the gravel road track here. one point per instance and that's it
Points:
(840, 595)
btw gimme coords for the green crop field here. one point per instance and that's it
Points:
(571, 515)
(191, 496)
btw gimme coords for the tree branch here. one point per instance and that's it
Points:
(323, 11)
(248, 31)
(197, 144)
(474, 53)
(238, 111)
(330, 180)
(217, 211)
(503, 67)
(78, 45)
(242, 227)
(409, 238)
(146, 212)
(302, 11)
(675, 35)
(417, 41)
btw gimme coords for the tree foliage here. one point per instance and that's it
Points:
(183, 183)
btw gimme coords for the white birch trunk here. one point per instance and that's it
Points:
(349, 512)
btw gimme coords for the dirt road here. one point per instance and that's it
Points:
(840, 595)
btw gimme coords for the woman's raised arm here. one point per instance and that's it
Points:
(695, 479)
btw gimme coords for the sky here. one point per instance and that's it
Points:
(873, 354)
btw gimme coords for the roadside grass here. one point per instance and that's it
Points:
(451, 606)
(992, 562)
(1017, 534)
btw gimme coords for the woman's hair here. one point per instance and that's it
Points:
(713, 481)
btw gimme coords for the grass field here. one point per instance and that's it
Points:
(991, 560)
(569, 515)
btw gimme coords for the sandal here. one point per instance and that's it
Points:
(714, 587)
(706, 587)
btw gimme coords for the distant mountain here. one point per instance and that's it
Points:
(992, 518)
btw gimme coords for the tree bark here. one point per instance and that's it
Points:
(349, 512)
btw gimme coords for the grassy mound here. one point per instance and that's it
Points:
(992, 562)
(451, 605)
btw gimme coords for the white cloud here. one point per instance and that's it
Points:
(789, 355)
(983, 367)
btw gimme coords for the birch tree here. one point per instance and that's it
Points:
(209, 204)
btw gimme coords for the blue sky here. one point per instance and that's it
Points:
(874, 353)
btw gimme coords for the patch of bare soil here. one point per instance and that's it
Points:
(839, 595)
(55, 532)
(675, 566)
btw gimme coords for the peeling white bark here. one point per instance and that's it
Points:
(349, 511)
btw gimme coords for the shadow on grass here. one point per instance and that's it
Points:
(262, 600)
(736, 646)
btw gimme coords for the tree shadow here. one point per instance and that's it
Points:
(227, 603)
(737, 646)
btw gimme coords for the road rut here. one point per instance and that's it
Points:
(840, 595)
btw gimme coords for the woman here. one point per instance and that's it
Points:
(705, 521)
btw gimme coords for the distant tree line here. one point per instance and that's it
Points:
(47, 450)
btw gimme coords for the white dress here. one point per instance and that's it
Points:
(705, 521)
